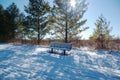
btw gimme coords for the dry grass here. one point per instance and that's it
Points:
(112, 45)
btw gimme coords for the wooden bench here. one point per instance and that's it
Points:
(62, 46)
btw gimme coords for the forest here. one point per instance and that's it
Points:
(60, 21)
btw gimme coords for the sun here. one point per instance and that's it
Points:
(72, 3)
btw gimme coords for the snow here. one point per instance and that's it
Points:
(30, 62)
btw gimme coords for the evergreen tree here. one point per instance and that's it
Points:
(101, 33)
(21, 31)
(12, 13)
(3, 28)
(38, 18)
(10, 22)
(68, 19)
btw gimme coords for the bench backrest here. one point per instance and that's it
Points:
(65, 46)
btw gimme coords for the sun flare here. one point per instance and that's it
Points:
(72, 3)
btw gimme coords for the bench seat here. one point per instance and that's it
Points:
(61, 46)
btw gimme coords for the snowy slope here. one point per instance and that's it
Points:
(28, 62)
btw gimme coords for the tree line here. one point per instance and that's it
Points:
(61, 20)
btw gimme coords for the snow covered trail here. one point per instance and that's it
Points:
(28, 62)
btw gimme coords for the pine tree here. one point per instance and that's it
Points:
(68, 20)
(38, 18)
(21, 31)
(101, 33)
(12, 13)
(3, 28)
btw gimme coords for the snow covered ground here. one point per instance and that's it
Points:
(28, 62)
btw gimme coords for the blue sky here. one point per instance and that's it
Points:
(110, 9)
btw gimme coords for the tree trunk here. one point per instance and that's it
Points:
(66, 26)
(66, 35)
(38, 36)
(38, 40)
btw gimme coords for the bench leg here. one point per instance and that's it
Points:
(51, 50)
(64, 52)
